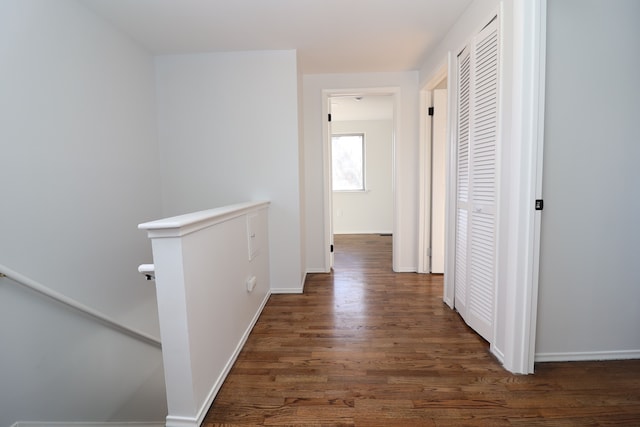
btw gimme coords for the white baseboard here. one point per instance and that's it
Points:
(405, 270)
(181, 422)
(317, 270)
(197, 421)
(497, 354)
(449, 302)
(88, 424)
(587, 356)
(287, 290)
(363, 232)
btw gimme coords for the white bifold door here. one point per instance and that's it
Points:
(477, 144)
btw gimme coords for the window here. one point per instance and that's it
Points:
(347, 162)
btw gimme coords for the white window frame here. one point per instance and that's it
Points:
(364, 163)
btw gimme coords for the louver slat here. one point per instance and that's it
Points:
(462, 181)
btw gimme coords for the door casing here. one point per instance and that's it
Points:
(327, 94)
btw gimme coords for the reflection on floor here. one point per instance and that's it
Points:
(368, 347)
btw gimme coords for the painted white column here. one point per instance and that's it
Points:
(517, 295)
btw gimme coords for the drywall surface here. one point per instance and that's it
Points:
(58, 365)
(370, 211)
(589, 271)
(79, 172)
(474, 18)
(316, 86)
(228, 133)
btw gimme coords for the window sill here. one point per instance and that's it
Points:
(352, 191)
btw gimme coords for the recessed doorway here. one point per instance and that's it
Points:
(359, 176)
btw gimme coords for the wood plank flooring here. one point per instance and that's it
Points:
(365, 346)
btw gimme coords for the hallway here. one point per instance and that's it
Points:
(368, 347)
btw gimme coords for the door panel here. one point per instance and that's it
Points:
(477, 163)
(462, 182)
(438, 177)
(483, 147)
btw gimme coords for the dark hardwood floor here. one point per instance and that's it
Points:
(365, 346)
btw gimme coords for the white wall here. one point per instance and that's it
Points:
(59, 365)
(370, 211)
(228, 133)
(471, 21)
(589, 271)
(405, 180)
(79, 172)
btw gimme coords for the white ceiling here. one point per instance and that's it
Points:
(331, 36)
(371, 107)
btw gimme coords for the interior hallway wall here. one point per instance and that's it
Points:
(589, 271)
(79, 173)
(228, 133)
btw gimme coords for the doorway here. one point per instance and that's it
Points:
(364, 118)
(434, 131)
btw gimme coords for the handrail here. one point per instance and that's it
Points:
(69, 302)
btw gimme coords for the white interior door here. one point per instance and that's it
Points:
(329, 199)
(477, 180)
(483, 167)
(462, 181)
(438, 177)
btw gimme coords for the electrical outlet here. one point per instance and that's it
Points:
(251, 283)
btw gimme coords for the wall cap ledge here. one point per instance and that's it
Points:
(182, 225)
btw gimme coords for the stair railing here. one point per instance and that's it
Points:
(78, 306)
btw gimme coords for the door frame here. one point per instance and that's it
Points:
(327, 94)
(521, 264)
(425, 164)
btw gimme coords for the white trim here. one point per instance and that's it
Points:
(71, 303)
(404, 269)
(304, 281)
(395, 168)
(451, 182)
(316, 270)
(373, 232)
(182, 225)
(424, 182)
(174, 421)
(88, 424)
(425, 164)
(521, 263)
(540, 56)
(327, 181)
(279, 291)
(587, 356)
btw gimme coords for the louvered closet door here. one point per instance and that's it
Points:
(476, 254)
(462, 184)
